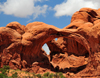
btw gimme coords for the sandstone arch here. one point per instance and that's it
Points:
(36, 35)
(28, 41)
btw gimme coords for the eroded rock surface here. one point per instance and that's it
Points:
(86, 23)
(76, 52)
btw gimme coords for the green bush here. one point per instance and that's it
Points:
(39, 75)
(5, 69)
(46, 74)
(15, 75)
(56, 75)
(3, 76)
(61, 75)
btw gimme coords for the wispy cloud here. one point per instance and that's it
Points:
(29, 21)
(23, 8)
(68, 7)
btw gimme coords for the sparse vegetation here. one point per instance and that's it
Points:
(5, 71)
(15, 75)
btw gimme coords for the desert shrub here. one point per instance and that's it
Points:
(46, 74)
(59, 75)
(3, 75)
(5, 69)
(39, 75)
(51, 75)
(28, 77)
(4, 72)
(15, 75)
(56, 75)
(34, 75)
(17, 69)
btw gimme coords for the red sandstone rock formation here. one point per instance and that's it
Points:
(76, 50)
(86, 24)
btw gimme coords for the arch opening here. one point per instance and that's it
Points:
(46, 49)
(56, 39)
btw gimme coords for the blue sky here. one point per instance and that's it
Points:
(47, 17)
(53, 12)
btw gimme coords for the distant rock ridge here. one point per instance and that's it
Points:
(77, 49)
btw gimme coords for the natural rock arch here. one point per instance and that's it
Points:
(35, 35)
(27, 41)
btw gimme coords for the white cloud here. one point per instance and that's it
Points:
(68, 7)
(40, 10)
(23, 8)
(46, 49)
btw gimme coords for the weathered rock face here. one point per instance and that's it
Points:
(86, 23)
(21, 46)
(16, 26)
(26, 43)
